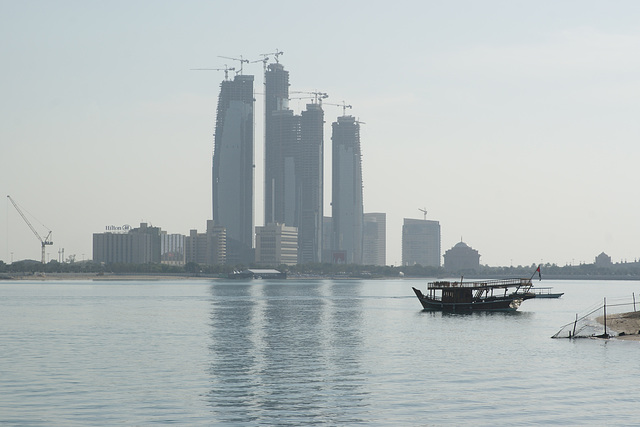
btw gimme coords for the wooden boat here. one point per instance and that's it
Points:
(487, 295)
(545, 293)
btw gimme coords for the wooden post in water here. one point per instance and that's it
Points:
(574, 326)
(605, 315)
(634, 301)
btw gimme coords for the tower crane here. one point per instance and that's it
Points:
(343, 105)
(264, 63)
(265, 58)
(424, 212)
(274, 54)
(241, 59)
(225, 69)
(44, 242)
(317, 96)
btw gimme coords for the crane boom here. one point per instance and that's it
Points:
(343, 105)
(225, 69)
(316, 96)
(44, 242)
(275, 54)
(241, 59)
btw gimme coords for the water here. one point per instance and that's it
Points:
(302, 352)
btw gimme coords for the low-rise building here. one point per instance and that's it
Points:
(172, 250)
(461, 258)
(276, 244)
(128, 246)
(603, 260)
(207, 248)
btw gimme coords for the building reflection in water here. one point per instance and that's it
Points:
(287, 352)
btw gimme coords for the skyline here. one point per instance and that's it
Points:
(511, 124)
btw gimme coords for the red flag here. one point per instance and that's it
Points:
(539, 274)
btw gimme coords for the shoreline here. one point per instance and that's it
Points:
(627, 324)
(185, 276)
(104, 277)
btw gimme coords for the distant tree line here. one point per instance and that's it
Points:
(618, 270)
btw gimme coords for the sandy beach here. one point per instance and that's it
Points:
(627, 323)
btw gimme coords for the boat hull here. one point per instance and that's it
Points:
(558, 295)
(507, 303)
(545, 292)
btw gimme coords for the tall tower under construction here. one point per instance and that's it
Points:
(294, 159)
(233, 167)
(282, 137)
(347, 204)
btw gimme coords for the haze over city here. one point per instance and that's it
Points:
(512, 124)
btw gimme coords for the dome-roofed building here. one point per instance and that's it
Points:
(603, 260)
(461, 258)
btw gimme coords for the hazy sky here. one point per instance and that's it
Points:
(514, 123)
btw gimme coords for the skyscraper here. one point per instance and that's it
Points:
(294, 161)
(347, 205)
(311, 177)
(421, 242)
(233, 167)
(282, 136)
(327, 239)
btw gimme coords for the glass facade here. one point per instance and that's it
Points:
(233, 167)
(347, 204)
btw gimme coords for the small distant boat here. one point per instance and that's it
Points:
(487, 295)
(255, 273)
(545, 292)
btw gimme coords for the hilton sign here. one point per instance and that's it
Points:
(121, 229)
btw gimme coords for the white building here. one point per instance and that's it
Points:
(276, 244)
(172, 248)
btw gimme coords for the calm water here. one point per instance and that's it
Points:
(302, 352)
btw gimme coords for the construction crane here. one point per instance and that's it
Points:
(343, 105)
(44, 242)
(274, 54)
(424, 212)
(264, 63)
(241, 60)
(316, 96)
(265, 58)
(225, 69)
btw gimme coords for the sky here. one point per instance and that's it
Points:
(513, 123)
